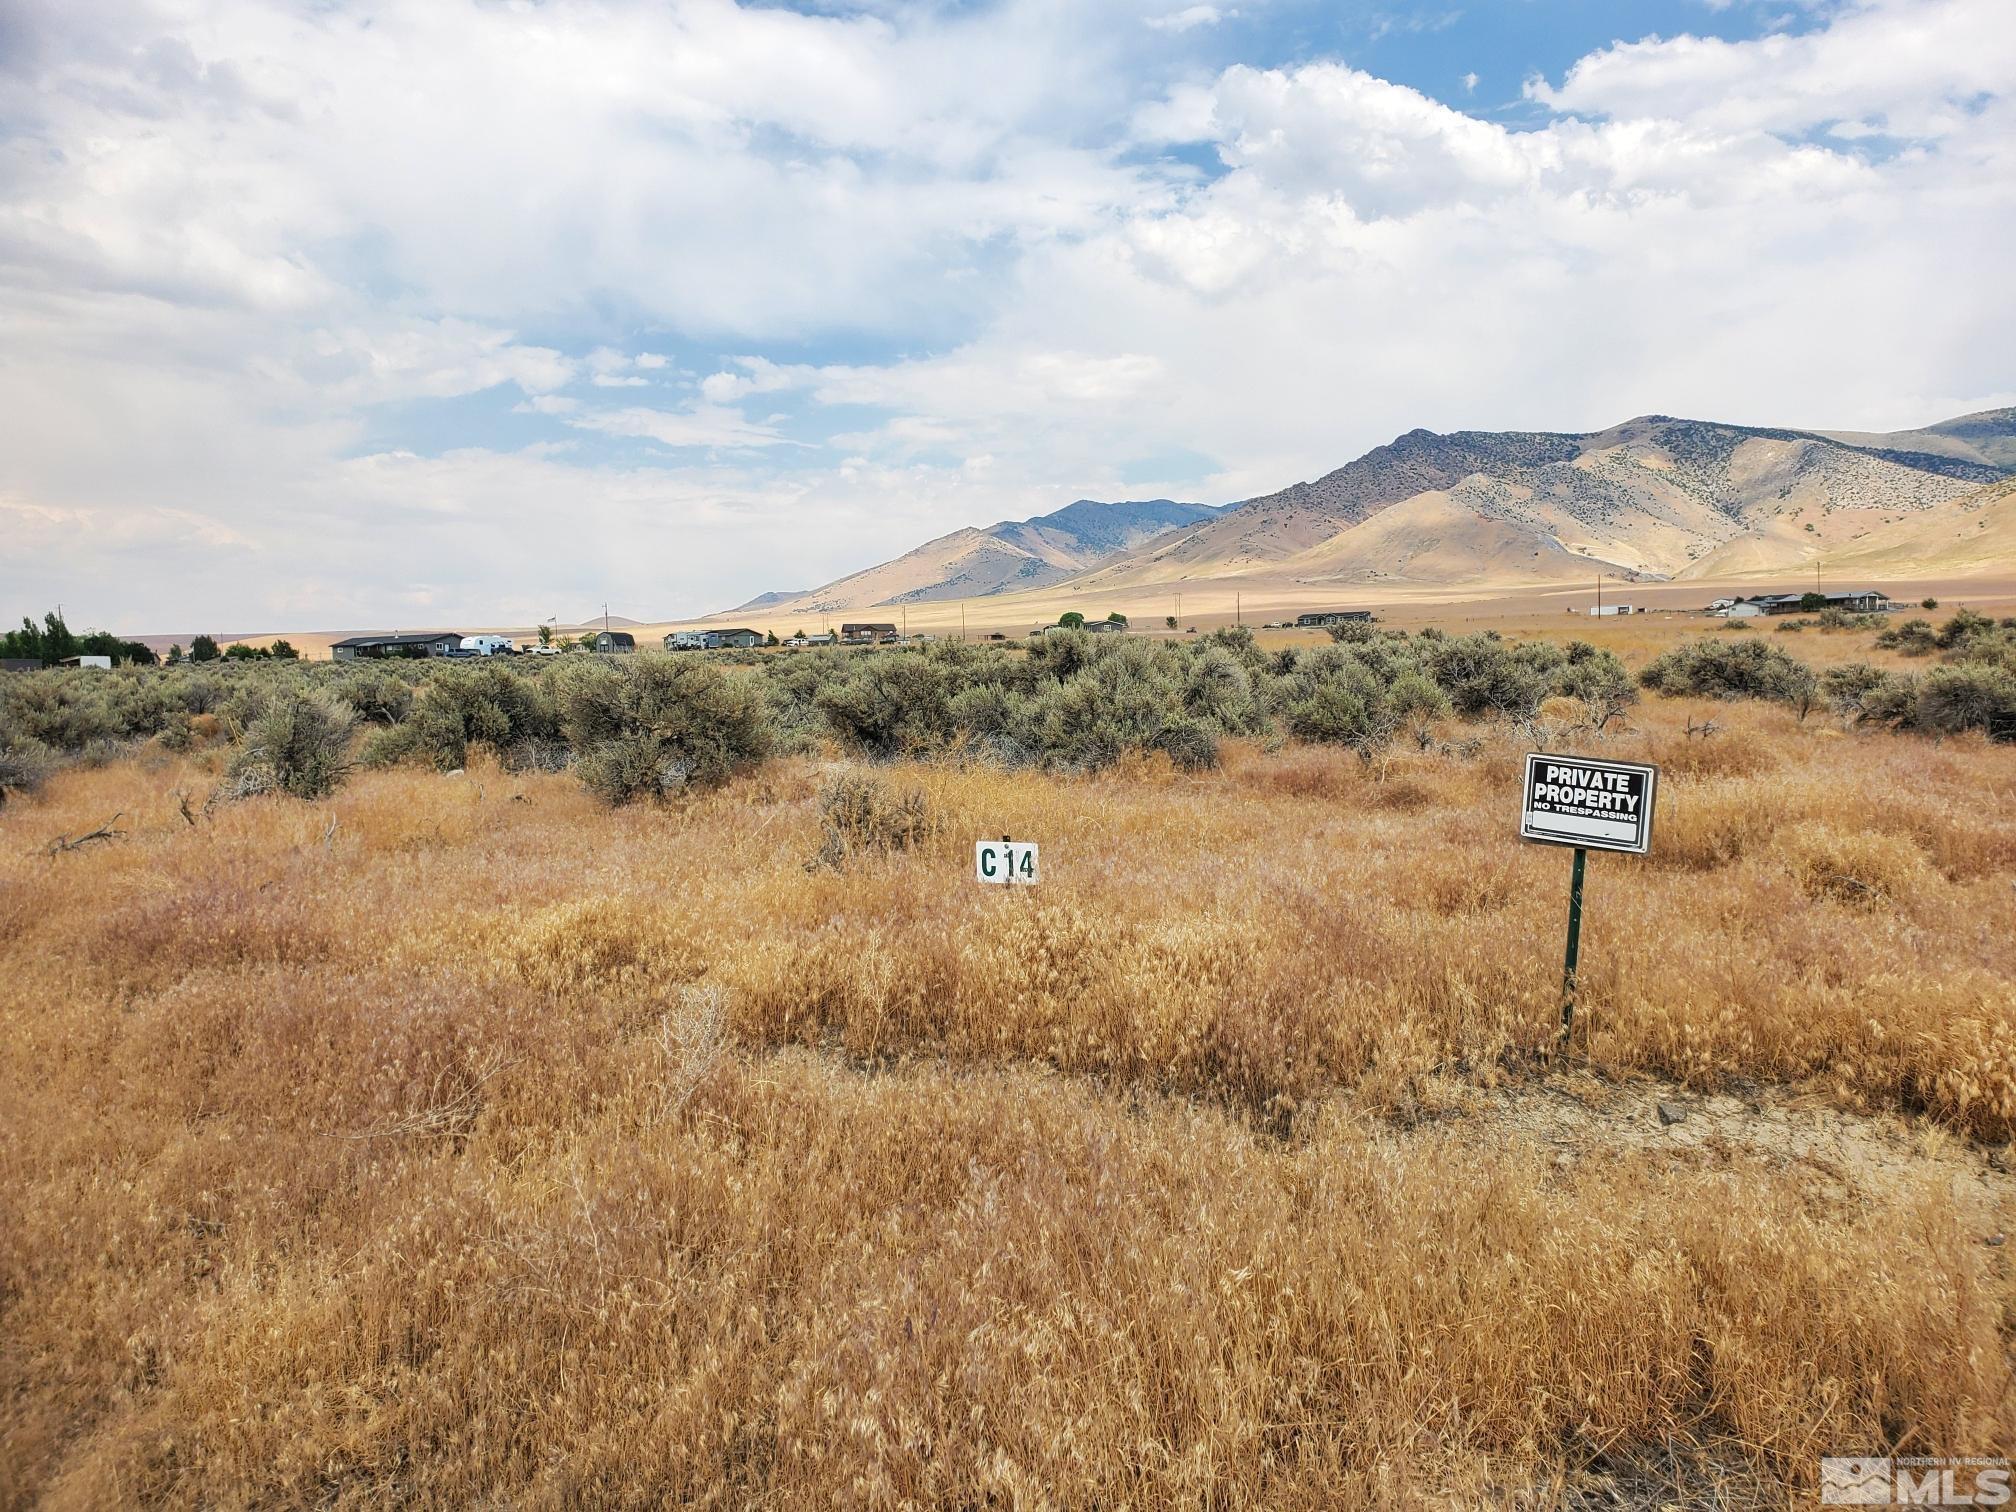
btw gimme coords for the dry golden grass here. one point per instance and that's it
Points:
(460, 1140)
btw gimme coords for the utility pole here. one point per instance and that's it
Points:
(1599, 595)
(605, 619)
(962, 622)
(1238, 610)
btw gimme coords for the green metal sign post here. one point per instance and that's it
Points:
(1574, 954)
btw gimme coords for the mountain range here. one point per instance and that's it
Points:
(1001, 558)
(1651, 498)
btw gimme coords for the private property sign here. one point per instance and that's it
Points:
(1599, 805)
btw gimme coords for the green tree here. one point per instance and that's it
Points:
(57, 641)
(1116, 618)
(1071, 620)
(282, 650)
(1928, 603)
(239, 651)
(770, 639)
(546, 635)
(175, 655)
(1169, 620)
(1811, 603)
(203, 649)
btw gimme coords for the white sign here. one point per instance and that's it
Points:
(1006, 861)
(1603, 805)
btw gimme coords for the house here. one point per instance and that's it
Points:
(615, 640)
(1321, 617)
(864, 631)
(824, 638)
(374, 647)
(1606, 610)
(740, 640)
(102, 662)
(1105, 627)
(1854, 601)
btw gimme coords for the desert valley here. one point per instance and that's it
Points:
(986, 754)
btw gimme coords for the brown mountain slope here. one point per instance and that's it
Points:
(1973, 534)
(1654, 496)
(1986, 436)
(1002, 558)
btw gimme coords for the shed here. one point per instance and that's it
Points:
(615, 640)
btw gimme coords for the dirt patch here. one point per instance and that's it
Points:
(1846, 1157)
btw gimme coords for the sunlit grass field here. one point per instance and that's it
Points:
(459, 1139)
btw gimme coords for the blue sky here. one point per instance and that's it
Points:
(399, 312)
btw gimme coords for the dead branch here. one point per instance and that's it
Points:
(104, 831)
(442, 1120)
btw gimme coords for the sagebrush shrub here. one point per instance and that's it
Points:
(860, 812)
(299, 744)
(651, 725)
(1724, 669)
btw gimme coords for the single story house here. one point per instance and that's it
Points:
(1854, 601)
(102, 662)
(615, 640)
(1322, 617)
(739, 639)
(1606, 610)
(1104, 627)
(867, 630)
(373, 647)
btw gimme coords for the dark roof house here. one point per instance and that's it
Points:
(1332, 617)
(435, 643)
(615, 640)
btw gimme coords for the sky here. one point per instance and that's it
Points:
(352, 314)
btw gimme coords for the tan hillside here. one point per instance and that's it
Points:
(1986, 436)
(1974, 534)
(1005, 557)
(1653, 496)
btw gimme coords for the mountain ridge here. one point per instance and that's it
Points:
(1654, 497)
(1005, 557)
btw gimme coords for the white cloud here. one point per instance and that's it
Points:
(707, 425)
(1914, 66)
(1189, 18)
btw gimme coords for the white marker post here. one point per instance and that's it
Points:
(1591, 805)
(1006, 862)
